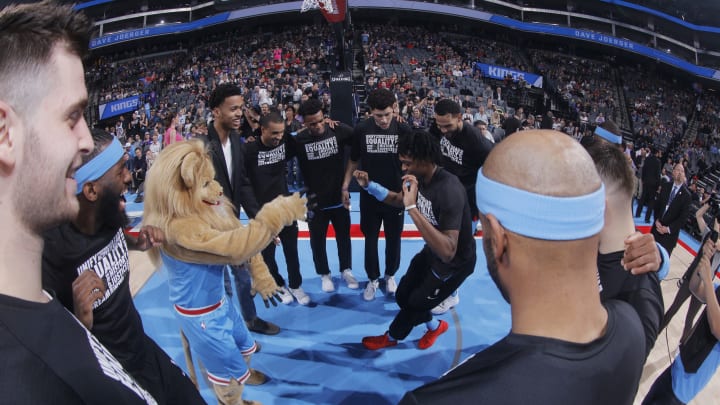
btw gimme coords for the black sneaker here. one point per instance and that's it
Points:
(258, 325)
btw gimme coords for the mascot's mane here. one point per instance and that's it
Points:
(172, 187)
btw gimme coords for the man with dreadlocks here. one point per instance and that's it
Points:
(437, 203)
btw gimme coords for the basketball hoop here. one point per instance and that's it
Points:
(325, 5)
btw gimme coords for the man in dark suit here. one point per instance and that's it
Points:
(650, 177)
(672, 209)
(226, 151)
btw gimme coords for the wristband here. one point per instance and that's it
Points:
(377, 190)
(409, 207)
(664, 269)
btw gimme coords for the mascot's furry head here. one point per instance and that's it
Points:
(186, 203)
(181, 184)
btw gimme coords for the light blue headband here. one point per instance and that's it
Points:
(609, 136)
(541, 216)
(99, 165)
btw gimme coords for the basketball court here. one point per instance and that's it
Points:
(317, 358)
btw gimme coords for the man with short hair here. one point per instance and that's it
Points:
(542, 210)
(374, 149)
(86, 265)
(47, 356)
(265, 164)
(672, 208)
(437, 203)
(320, 151)
(227, 153)
(623, 273)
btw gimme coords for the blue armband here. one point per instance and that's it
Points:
(664, 263)
(377, 190)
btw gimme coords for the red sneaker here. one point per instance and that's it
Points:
(378, 342)
(431, 336)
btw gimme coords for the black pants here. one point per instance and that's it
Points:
(288, 238)
(373, 214)
(661, 392)
(667, 240)
(318, 226)
(682, 295)
(164, 380)
(243, 284)
(646, 200)
(420, 291)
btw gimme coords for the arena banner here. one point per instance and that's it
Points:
(131, 35)
(338, 13)
(609, 40)
(119, 107)
(500, 72)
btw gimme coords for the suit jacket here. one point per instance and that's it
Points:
(239, 190)
(651, 171)
(675, 216)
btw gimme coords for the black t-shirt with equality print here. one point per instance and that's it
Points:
(266, 167)
(116, 321)
(321, 162)
(376, 151)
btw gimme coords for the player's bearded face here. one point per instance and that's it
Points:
(110, 210)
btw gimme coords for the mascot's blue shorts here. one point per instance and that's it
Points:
(220, 338)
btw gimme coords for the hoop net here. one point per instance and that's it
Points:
(325, 5)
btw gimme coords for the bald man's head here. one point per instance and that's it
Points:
(543, 162)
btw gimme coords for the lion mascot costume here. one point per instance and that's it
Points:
(202, 236)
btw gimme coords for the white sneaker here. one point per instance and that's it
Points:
(369, 293)
(284, 295)
(352, 283)
(327, 283)
(447, 304)
(390, 284)
(300, 296)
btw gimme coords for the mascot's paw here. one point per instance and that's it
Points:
(269, 294)
(263, 282)
(282, 211)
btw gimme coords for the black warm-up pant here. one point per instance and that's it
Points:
(288, 239)
(420, 291)
(373, 214)
(681, 296)
(647, 199)
(318, 227)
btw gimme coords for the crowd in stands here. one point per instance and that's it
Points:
(420, 66)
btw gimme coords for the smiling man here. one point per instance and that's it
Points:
(86, 265)
(266, 163)
(45, 354)
(226, 149)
